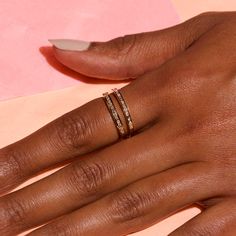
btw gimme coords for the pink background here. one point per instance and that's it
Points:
(26, 26)
(24, 70)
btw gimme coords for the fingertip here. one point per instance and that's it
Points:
(70, 44)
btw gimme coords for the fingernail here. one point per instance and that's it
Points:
(70, 44)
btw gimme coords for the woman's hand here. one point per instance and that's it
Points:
(183, 104)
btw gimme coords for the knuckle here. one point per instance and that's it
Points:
(127, 48)
(14, 161)
(73, 131)
(89, 178)
(129, 206)
(12, 214)
(124, 45)
(12, 166)
(128, 43)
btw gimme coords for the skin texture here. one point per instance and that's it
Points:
(183, 103)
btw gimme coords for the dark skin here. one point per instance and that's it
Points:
(183, 103)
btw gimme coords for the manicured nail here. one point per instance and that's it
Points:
(70, 44)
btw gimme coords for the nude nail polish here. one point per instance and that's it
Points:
(70, 44)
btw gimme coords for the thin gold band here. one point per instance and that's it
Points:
(114, 114)
(125, 109)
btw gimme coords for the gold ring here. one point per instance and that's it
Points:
(114, 114)
(125, 109)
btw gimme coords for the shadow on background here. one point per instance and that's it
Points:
(47, 52)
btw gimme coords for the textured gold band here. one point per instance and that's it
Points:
(125, 110)
(114, 114)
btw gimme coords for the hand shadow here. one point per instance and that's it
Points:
(47, 52)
